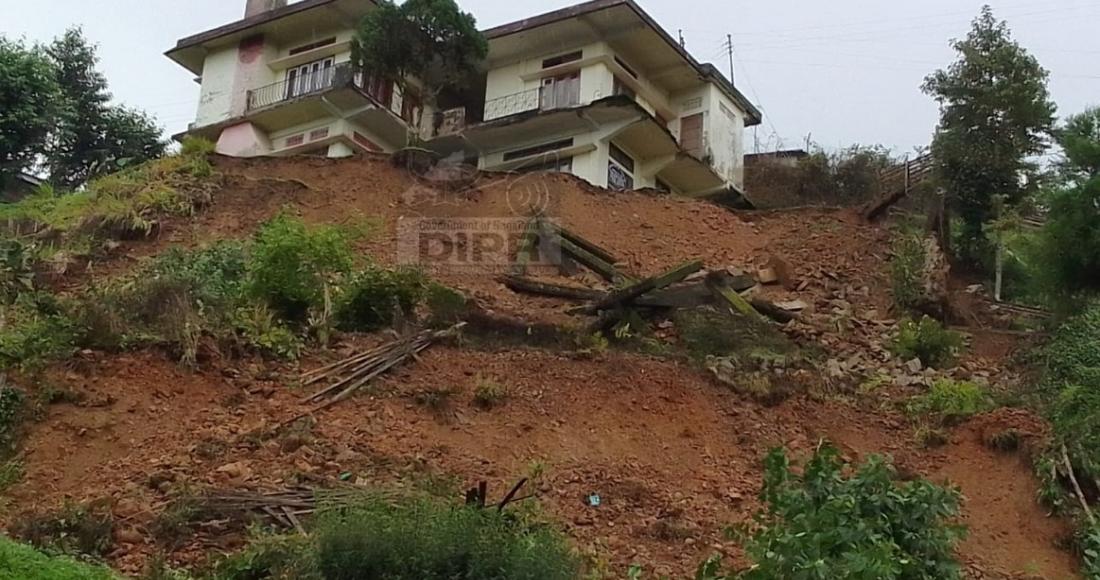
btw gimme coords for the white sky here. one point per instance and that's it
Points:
(845, 71)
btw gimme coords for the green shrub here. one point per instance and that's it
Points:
(369, 299)
(274, 558)
(950, 401)
(75, 530)
(260, 330)
(489, 394)
(130, 203)
(929, 341)
(192, 145)
(822, 524)
(1073, 354)
(13, 407)
(16, 269)
(446, 306)
(428, 540)
(19, 562)
(174, 300)
(292, 264)
(907, 270)
(34, 331)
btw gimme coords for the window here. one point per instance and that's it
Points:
(560, 60)
(312, 46)
(557, 165)
(308, 78)
(538, 149)
(620, 170)
(560, 92)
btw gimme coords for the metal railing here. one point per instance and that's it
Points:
(302, 86)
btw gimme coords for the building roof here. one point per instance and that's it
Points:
(246, 23)
(706, 70)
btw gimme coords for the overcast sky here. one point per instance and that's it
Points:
(843, 71)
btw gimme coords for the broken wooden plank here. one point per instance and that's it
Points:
(588, 246)
(532, 286)
(528, 245)
(730, 297)
(772, 310)
(605, 269)
(637, 289)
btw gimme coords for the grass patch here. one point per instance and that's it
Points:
(20, 562)
(129, 204)
(927, 340)
(75, 530)
(907, 270)
(489, 394)
(706, 332)
(414, 539)
(950, 402)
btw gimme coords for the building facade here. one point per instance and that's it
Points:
(599, 90)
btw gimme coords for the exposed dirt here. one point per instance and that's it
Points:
(674, 456)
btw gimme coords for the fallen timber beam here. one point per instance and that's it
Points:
(588, 246)
(687, 295)
(606, 270)
(531, 286)
(630, 293)
(528, 246)
(727, 296)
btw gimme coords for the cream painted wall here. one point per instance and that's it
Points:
(216, 94)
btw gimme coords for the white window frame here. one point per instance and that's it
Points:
(310, 77)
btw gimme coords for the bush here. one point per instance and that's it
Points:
(259, 329)
(416, 539)
(13, 406)
(446, 306)
(426, 540)
(369, 300)
(293, 264)
(175, 300)
(822, 524)
(489, 394)
(75, 531)
(950, 401)
(34, 331)
(907, 270)
(130, 203)
(274, 557)
(19, 562)
(197, 146)
(1073, 355)
(929, 341)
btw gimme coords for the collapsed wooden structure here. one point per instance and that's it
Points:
(684, 286)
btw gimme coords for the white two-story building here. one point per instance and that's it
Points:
(598, 89)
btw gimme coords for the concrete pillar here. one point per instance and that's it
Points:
(255, 7)
(243, 140)
(339, 149)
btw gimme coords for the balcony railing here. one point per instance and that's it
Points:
(545, 98)
(385, 94)
(302, 86)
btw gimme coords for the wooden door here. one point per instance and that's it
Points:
(691, 135)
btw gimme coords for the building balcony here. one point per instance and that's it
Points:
(385, 94)
(545, 98)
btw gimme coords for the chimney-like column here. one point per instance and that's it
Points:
(254, 7)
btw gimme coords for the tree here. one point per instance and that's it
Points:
(995, 113)
(92, 136)
(431, 41)
(28, 92)
(1069, 258)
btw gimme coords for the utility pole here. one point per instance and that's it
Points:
(729, 49)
